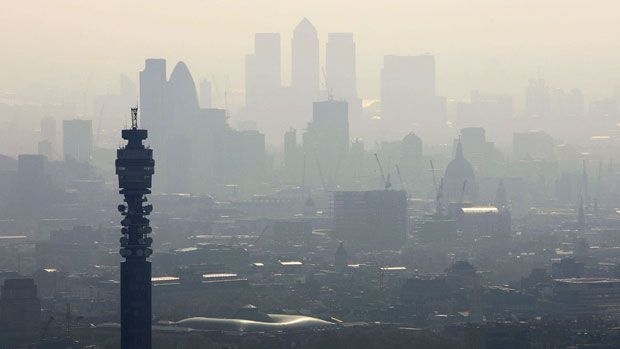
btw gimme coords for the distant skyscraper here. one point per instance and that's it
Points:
(305, 60)
(32, 194)
(197, 150)
(327, 137)
(182, 100)
(77, 140)
(181, 110)
(206, 94)
(152, 96)
(263, 70)
(340, 66)
(408, 90)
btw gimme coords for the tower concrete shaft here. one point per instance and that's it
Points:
(135, 167)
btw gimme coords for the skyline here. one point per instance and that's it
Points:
(476, 45)
(310, 174)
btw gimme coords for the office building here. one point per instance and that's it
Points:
(263, 71)
(305, 58)
(340, 66)
(20, 307)
(152, 92)
(327, 138)
(375, 219)
(77, 140)
(586, 297)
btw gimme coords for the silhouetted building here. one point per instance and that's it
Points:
(134, 167)
(20, 308)
(459, 179)
(341, 258)
(462, 274)
(567, 268)
(340, 66)
(153, 81)
(374, 219)
(418, 290)
(197, 149)
(479, 221)
(263, 71)
(32, 193)
(412, 163)
(77, 140)
(483, 155)
(327, 138)
(586, 297)
(305, 59)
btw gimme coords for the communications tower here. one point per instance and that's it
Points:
(135, 167)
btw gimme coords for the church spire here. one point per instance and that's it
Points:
(458, 154)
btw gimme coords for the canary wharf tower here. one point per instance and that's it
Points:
(135, 167)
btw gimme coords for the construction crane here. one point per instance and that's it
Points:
(330, 92)
(386, 181)
(598, 187)
(439, 200)
(400, 178)
(260, 236)
(434, 178)
(584, 185)
(318, 164)
(46, 328)
(303, 177)
(68, 320)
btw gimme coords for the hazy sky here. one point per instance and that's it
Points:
(491, 45)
